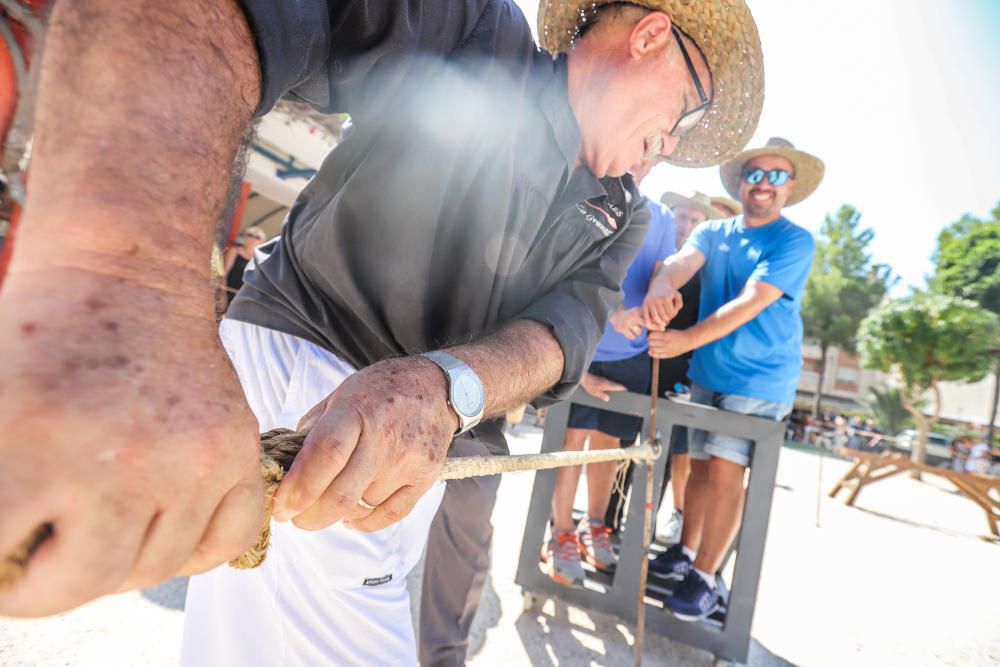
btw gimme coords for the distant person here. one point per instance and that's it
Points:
(979, 458)
(748, 348)
(729, 207)
(959, 451)
(237, 257)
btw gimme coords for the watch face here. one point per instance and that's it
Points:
(467, 394)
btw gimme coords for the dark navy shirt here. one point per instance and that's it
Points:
(455, 205)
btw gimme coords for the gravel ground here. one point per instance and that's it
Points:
(904, 578)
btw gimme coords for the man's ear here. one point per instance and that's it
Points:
(650, 36)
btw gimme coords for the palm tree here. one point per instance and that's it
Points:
(888, 410)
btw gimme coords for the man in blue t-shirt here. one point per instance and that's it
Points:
(621, 363)
(747, 347)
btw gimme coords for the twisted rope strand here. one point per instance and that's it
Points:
(278, 450)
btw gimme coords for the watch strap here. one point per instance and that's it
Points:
(452, 366)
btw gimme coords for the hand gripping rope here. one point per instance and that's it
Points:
(280, 446)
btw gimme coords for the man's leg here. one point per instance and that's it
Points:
(724, 494)
(679, 473)
(696, 499)
(567, 479)
(600, 476)
(457, 564)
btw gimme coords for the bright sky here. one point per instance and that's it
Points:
(900, 99)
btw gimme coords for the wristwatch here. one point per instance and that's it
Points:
(465, 389)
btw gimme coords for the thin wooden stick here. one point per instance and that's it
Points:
(647, 518)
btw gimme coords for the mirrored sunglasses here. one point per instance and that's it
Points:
(775, 177)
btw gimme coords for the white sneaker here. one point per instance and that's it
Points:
(670, 532)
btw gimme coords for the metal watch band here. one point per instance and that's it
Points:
(454, 367)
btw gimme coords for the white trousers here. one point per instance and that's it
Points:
(330, 597)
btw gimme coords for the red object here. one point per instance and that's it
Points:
(8, 103)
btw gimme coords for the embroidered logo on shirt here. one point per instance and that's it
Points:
(723, 247)
(598, 217)
(377, 581)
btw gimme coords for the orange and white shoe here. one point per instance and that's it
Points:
(562, 555)
(595, 544)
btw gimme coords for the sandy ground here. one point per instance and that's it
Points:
(905, 578)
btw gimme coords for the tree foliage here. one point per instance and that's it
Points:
(924, 340)
(967, 264)
(929, 338)
(967, 260)
(844, 284)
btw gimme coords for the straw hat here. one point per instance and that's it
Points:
(808, 168)
(698, 201)
(729, 206)
(725, 32)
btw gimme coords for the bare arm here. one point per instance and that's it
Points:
(663, 300)
(228, 260)
(144, 453)
(391, 422)
(755, 297)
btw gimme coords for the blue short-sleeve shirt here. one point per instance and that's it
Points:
(761, 359)
(660, 243)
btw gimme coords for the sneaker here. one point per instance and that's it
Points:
(693, 600)
(671, 531)
(563, 557)
(595, 544)
(671, 564)
(722, 592)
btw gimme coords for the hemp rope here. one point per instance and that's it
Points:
(279, 448)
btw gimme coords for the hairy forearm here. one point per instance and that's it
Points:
(517, 364)
(140, 112)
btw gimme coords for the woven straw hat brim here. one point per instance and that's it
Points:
(725, 32)
(729, 204)
(809, 171)
(673, 199)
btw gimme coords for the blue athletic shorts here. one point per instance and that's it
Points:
(634, 373)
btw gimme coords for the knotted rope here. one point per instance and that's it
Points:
(278, 450)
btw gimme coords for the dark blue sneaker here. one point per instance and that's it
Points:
(671, 564)
(693, 600)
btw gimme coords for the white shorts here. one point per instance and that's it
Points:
(330, 597)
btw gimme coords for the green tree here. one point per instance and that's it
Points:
(843, 287)
(888, 410)
(924, 340)
(967, 265)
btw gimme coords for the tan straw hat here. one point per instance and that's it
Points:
(728, 206)
(698, 201)
(725, 33)
(808, 168)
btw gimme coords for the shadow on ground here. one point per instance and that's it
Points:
(170, 594)
(928, 526)
(561, 634)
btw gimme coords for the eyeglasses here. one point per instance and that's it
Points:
(690, 119)
(776, 177)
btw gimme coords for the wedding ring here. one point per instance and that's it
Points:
(366, 505)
